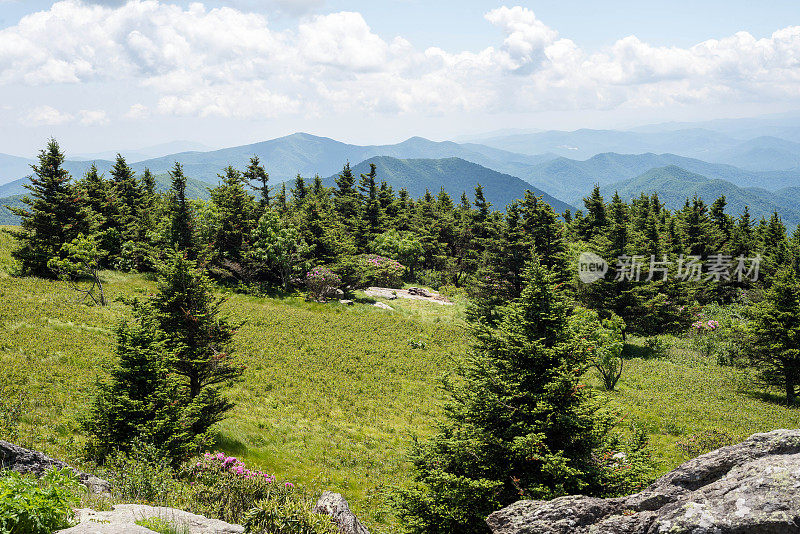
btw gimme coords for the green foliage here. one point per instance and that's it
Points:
(694, 445)
(657, 346)
(54, 214)
(518, 423)
(143, 474)
(278, 252)
(30, 506)
(79, 259)
(602, 343)
(163, 526)
(174, 360)
(273, 516)
(775, 334)
(235, 217)
(720, 332)
(369, 270)
(401, 246)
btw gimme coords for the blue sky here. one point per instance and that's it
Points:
(136, 74)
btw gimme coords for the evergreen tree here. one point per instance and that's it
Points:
(137, 403)
(181, 223)
(345, 195)
(99, 198)
(775, 334)
(370, 223)
(197, 345)
(54, 215)
(299, 192)
(517, 424)
(595, 221)
(128, 197)
(235, 212)
(255, 172)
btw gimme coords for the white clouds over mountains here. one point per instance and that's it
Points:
(225, 62)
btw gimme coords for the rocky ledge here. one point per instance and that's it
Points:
(749, 488)
(16, 458)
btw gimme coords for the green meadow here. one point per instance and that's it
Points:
(333, 395)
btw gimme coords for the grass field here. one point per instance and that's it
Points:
(332, 394)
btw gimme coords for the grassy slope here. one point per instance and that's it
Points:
(332, 394)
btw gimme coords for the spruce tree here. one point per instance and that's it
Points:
(127, 197)
(255, 172)
(98, 196)
(136, 404)
(235, 216)
(518, 423)
(775, 334)
(55, 214)
(345, 196)
(197, 344)
(181, 224)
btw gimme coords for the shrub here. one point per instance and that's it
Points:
(657, 346)
(226, 488)
(602, 343)
(367, 270)
(627, 465)
(718, 332)
(162, 526)
(696, 444)
(30, 506)
(142, 475)
(320, 281)
(287, 516)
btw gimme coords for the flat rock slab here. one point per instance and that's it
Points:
(122, 519)
(388, 293)
(749, 488)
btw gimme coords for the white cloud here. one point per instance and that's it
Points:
(93, 117)
(225, 62)
(46, 116)
(137, 112)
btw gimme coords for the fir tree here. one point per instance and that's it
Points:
(54, 215)
(128, 197)
(235, 213)
(181, 223)
(255, 172)
(197, 345)
(518, 424)
(775, 334)
(345, 196)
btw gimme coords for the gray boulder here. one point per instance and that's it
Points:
(334, 505)
(21, 460)
(382, 306)
(122, 519)
(749, 488)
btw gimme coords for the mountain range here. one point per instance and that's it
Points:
(753, 161)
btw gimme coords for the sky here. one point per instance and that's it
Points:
(117, 75)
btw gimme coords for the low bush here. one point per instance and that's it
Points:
(31, 506)
(657, 347)
(365, 270)
(224, 487)
(321, 280)
(719, 332)
(143, 475)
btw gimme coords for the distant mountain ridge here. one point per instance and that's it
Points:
(455, 175)
(674, 185)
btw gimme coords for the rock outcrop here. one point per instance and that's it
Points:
(123, 517)
(749, 488)
(334, 505)
(21, 460)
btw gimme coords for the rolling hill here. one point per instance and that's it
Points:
(455, 175)
(570, 180)
(674, 185)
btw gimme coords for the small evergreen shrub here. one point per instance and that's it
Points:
(31, 506)
(657, 346)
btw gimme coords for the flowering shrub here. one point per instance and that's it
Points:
(227, 488)
(321, 280)
(718, 331)
(368, 270)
